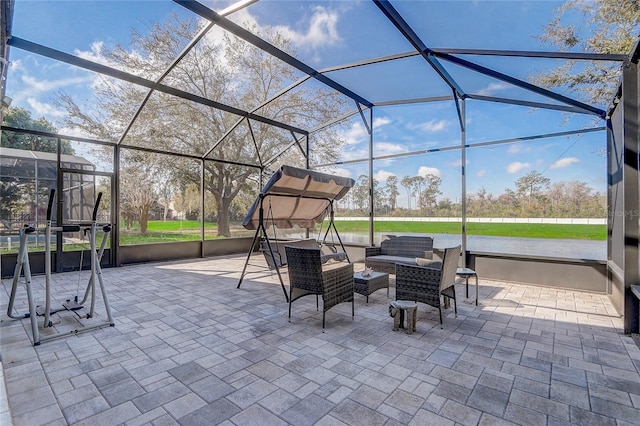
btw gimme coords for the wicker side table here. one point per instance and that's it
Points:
(367, 285)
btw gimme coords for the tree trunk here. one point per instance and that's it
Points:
(223, 217)
(144, 221)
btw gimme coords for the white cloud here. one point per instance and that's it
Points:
(564, 162)
(74, 131)
(514, 149)
(381, 121)
(312, 33)
(383, 175)
(456, 163)
(321, 31)
(355, 154)
(336, 171)
(388, 148)
(493, 88)
(44, 110)
(356, 134)
(426, 171)
(34, 92)
(94, 54)
(431, 126)
(517, 166)
(342, 172)
(481, 173)
(40, 86)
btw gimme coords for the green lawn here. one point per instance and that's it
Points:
(189, 230)
(180, 230)
(529, 230)
(160, 231)
(176, 225)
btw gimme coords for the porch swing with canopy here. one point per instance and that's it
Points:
(295, 197)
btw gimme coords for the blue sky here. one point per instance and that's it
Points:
(332, 33)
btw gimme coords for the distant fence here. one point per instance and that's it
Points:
(545, 220)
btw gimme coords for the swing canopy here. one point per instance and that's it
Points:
(296, 196)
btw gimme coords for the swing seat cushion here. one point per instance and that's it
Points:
(338, 257)
(279, 257)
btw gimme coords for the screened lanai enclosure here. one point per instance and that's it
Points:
(180, 111)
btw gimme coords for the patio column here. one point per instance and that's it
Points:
(371, 207)
(623, 254)
(202, 210)
(463, 159)
(630, 177)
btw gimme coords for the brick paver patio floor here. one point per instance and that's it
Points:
(189, 348)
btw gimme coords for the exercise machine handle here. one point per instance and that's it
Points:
(51, 194)
(72, 228)
(95, 208)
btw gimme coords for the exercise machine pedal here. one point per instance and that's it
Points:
(72, 305)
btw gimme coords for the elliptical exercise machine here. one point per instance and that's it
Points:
(74, 305)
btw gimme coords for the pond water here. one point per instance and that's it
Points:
(549, 247)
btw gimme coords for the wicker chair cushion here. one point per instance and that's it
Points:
(329, 266)
(429, 263)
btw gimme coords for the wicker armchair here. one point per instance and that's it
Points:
(427, 284)
(308, 276)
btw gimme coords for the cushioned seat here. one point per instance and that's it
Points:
(394, 249)
(391, 259)
(427, 284)
(333, 281)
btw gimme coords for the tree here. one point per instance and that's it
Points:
(225, 69)
(447, 208)
(530, 188)
(407, 183)
(138, 177)
(429, 194)
(187, 201)
(575, 199)
(380, 199)
(392, 191)
(508, 202)
(15, 195)
(20, 118)
(418, 181)
(556, 194)
(360, 193)
(167, 195)
(11, 194)
(609, 26)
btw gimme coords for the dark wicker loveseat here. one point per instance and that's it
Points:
(398, 249)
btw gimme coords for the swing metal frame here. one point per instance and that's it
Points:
(261, 232)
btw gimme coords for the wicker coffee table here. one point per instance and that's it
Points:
(367, 285)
